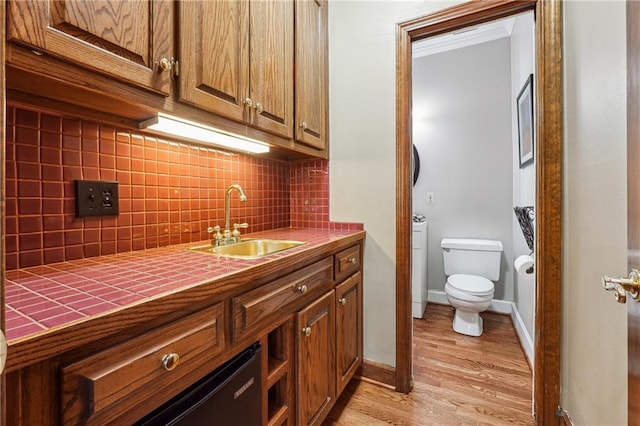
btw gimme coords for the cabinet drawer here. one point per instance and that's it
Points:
(275, 299)
(347, 262)
(142, 371)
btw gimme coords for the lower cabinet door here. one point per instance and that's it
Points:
(315, 366)
(348, 329)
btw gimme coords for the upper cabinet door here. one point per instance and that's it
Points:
(214, 49)
(311, 73)
(124, 39)
(271, 75)
(237, 61)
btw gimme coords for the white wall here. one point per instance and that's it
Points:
(524, 180)
(462, 130)
(362, 53)
(594, 360)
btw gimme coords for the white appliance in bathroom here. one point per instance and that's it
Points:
(470, 266)
(419, 269)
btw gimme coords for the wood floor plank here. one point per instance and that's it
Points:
(458, 380)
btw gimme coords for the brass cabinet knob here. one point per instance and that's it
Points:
(248, 102)
(342, 301)
(302, 289)
(307, 331)
(165, 64)
(170, 361)
(259, 108)
(303, 125)
(352, 260)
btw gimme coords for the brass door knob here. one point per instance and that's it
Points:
(342, 301)
(302, 289)
(621, 285)
(303, 125)
(352, 260)
(307, 331)
(170, 361)
(248, 102)
(259, 108)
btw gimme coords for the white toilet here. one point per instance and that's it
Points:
(470, 266)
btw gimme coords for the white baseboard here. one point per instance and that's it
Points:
(440, 297)
(525, 339)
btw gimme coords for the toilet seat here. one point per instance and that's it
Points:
(471, 285)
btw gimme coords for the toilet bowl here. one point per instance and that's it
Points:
(469, 295)
(470, 266)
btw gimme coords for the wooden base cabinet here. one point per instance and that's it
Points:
(316, 360)
(329, 341)
(348, 330)
(307, 319)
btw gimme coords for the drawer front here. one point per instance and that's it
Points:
(257, 307)
(106, 385)
(347, 262)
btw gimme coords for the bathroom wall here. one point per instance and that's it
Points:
(462, 130)
(524, 181)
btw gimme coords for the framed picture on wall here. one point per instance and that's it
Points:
(525, 122)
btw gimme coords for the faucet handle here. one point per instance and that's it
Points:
(217, 236)
(236, 226)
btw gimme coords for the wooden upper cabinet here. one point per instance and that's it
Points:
(214, 43)
(271, 76)
(124, 39)
(311, 73)
(237, 61)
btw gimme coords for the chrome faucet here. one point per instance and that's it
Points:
(227, 236)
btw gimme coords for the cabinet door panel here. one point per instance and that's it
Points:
(271, 73)
(316, 360)
(124, 39)
(348, 329)
(214, 46)
(311, 73)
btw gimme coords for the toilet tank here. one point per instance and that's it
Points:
(472, 256)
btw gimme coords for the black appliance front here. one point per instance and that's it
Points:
(229, 396)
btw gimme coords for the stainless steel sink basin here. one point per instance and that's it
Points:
(249, 249)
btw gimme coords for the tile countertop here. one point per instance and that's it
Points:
(45, 297)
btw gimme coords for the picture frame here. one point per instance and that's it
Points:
(526, 141)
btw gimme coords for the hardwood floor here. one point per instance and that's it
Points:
(458, 380)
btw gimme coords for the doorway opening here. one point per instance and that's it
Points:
(466, 129)
(548, 147)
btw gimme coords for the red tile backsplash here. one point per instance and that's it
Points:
(170, 192)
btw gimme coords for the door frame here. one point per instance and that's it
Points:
(548, 257)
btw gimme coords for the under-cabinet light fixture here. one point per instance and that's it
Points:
(175, 126)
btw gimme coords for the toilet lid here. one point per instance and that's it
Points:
(471, 284)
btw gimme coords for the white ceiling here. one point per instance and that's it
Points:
(464, 37)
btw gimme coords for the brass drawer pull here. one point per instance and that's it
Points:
(170, 361)
(342, 301)
(352, 260)
(302, 289)
(307, 331)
